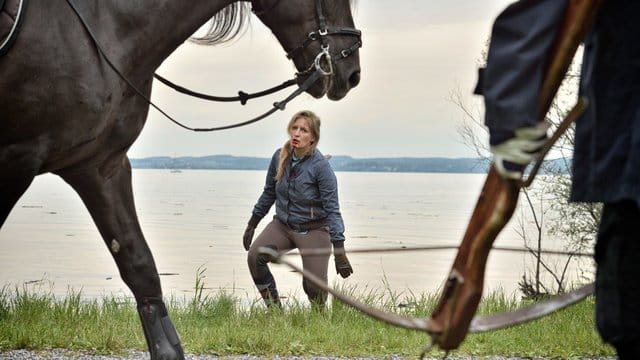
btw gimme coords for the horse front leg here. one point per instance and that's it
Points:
(107, 193)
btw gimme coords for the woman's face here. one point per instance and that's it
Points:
(301, 136)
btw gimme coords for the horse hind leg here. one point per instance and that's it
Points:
(109, 198)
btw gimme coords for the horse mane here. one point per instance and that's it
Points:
(229, 23)
(225, 25)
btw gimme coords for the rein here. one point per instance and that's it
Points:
(315, 70)
(242, 97)
(324, 252)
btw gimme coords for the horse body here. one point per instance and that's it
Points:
(64, 110)
(61, 103)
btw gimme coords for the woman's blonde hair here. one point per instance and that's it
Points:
(285, 153)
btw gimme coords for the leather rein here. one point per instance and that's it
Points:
(321, 66)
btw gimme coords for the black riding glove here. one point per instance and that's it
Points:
(343, 267)
(247, 237)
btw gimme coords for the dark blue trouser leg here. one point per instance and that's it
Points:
(617, 286)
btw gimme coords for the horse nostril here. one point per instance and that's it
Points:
(354, 79)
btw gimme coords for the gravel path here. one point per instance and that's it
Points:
(60, 354)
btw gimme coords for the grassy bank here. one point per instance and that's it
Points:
(220, 324)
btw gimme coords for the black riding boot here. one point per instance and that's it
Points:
(269, 294)
(266, 284)
(162, 338)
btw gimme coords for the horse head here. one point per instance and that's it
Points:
(320, 38)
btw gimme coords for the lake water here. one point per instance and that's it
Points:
(194, 219)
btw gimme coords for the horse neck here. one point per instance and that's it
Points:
(151, 30)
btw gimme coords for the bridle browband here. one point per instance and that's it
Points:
(315, 70)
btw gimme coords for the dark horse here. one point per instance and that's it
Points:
(65, 110)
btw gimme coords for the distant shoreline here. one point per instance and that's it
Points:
(338, 162)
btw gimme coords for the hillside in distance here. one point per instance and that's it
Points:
(339, 163)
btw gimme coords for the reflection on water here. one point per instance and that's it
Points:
(194, 219)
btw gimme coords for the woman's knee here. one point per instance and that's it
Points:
(256, 259)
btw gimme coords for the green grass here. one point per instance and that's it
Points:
(219, 324)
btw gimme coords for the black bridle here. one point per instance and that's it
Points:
(323, 32)
(320, 34)
(315, 70)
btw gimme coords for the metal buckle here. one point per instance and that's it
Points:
(316, 62)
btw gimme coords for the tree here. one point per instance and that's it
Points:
(551, 214)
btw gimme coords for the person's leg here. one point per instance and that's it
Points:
(316, 264)
(273, 236)
(617, 286)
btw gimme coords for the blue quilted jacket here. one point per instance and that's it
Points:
(307, 192)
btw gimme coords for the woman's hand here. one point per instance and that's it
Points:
(343, 267)
(248, 236)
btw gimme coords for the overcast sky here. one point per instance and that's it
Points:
(415, 54)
